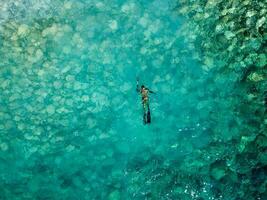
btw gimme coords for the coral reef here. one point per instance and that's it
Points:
(228, 39)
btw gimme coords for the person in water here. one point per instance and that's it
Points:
(145, 101)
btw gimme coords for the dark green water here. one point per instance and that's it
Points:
(71, 120)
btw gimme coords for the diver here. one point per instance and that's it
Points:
(145, 101)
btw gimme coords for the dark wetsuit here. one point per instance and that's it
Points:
(144, 92)
(145, 101)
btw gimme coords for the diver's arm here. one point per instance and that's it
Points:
(151, 91)
(137, 85)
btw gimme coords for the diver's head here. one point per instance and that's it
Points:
(142, 87)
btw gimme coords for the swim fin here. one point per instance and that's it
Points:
(148, 117)
(145, 118)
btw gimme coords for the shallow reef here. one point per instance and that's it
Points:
(71, 120)
(228, 38)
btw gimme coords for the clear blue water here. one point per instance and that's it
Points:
(71, 120)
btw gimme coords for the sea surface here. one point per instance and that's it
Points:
(71, 120)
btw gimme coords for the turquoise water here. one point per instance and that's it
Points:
(71, 120)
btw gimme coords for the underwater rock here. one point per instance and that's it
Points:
(218, 173)
(126, 87)
(23, 30)
(229, 35)
(91, 123)
(70, 148)
(260, 22)
(261, 60)
(114, 195)
(50, 109)
(57, 84)
(128, 7)
(256, 77)
(244, 142)
(38, 54)
(85, 98)
(263, 158)
(219, 28)
(50, 30)
(143, 21)
(77, 86)
(261, 141)
(68, 5)
(113, 24)
(3, 146)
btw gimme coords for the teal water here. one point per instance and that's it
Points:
(71, 119)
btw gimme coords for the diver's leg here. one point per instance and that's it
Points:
(144, 114)
(144, 118)
(148, 114)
